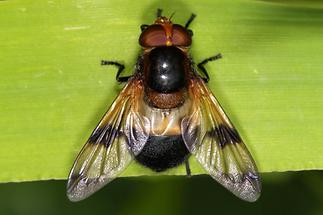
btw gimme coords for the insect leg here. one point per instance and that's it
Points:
(188, 169)
(143, 27)
(202, 68)
(159, 12)
(120, 69)
(192, 17)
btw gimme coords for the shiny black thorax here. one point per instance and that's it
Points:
(165, 75)
(166, 69)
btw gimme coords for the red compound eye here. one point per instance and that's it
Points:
(181, 37)
(153, 35)
(165, 34)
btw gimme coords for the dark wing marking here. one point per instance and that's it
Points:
(108, 151)
(210, 136)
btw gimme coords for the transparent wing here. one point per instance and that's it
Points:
(210, 136)
(108, 151)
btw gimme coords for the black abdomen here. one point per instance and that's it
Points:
(163, 152)
(166, 72)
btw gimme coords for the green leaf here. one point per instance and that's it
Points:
(53, 90)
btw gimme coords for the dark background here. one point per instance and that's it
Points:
(283, 193)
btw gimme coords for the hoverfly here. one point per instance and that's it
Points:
(164, 114)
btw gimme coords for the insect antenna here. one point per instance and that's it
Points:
(171, 16)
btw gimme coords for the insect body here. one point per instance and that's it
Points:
(164, 114)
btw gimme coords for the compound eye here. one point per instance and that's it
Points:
(153, 35)
(181, 36)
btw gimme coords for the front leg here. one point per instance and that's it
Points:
(202, 68)
(120, 69)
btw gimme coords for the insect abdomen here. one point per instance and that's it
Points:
(163, 152)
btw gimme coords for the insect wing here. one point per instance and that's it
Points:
(210, 136)
(107, 152)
